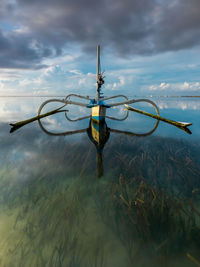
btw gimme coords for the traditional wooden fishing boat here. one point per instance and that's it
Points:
(98, 106)
(98, 131)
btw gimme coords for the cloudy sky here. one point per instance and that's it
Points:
(148, 47)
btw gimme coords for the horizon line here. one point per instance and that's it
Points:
(133, 96)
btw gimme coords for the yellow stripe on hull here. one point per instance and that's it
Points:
(98, 113)
(95, 133)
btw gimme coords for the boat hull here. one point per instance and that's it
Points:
(98, 113)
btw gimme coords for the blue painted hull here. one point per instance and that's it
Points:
(98, 113)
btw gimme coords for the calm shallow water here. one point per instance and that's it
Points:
(143, 211)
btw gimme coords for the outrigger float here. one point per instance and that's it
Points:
(98, 107)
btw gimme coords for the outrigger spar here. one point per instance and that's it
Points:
(98, 107)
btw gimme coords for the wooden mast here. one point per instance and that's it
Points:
(98, 69)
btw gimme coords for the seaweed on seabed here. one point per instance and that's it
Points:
(145, 215)
(166, 163)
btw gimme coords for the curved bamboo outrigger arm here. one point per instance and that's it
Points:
(17, 125)
(181, 125)
(69, 102)
(57, 134)
(60, 134)
(115, 96)
(132, 101)
(116, 119)
(78, 119)
(135, 134)
(78, 96)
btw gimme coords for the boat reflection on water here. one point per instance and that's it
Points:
(99, 133)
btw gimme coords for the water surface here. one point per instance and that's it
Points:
(56, 211)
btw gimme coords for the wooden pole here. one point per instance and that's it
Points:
(17, 125)
(98, 67)
(181, 125)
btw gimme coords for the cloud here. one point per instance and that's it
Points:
(12, 109)
(21, 51)
(181, 104)
(161, 87)
(186, 87)
(36, 30)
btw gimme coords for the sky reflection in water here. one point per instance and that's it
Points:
(144, 209)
